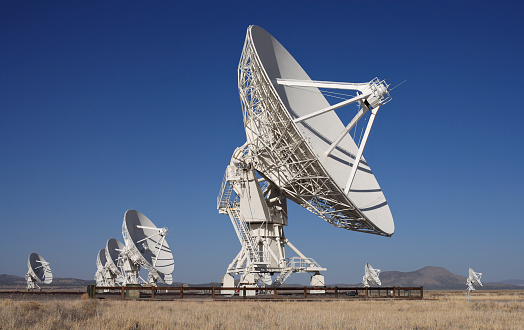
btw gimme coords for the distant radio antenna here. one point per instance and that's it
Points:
(39, 271)
(100, 275)
(114, 249)
(473, 279)
(371, 276)
(145, 246)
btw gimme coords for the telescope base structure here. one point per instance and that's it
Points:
(152, 280)
(111, 280)
(258, 212)
(130, 271)
(31, 283)
(257, 278)
(105, 278)
(228, 281)
(100, 278)
(317, 280)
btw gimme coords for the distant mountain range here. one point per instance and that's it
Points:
(435, 278)
(12, 281)
(438, 278)
(513, 282)
(431, 278)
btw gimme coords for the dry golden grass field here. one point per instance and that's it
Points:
(441, 310)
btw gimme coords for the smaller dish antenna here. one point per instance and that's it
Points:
(145, 246)
(113, 251)
(473, 279)
(39, 271)
(100, 275)
(371, 276)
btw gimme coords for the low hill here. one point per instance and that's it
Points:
(513, 282)
(431, 278)
(12, 281)
(434, 278)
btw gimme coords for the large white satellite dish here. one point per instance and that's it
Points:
(145, 245)
(297, 148)
(38, 271)
(371, 275)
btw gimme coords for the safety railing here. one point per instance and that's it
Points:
(256, 293)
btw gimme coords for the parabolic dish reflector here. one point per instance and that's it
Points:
(372, 274)
(146, 243)
(474, 277)
(293, 155)
(39, 268)
(101, 259)
(113, 249)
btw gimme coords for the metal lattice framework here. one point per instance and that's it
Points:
(283, 156)
(130, 250)
(228, 202)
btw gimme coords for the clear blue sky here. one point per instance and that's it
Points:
(107, 107)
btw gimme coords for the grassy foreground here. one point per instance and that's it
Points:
(485, 311)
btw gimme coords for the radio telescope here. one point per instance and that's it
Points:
(297, 148)
(113, 250)
(371, 276)
(100, 275)
(473, 279)
(145, 246)
(38, 271)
